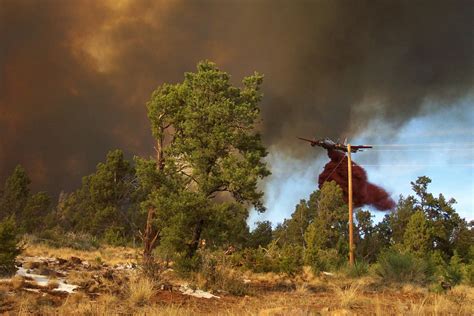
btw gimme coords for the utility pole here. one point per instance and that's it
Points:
(351, 229)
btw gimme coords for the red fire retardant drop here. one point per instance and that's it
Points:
(364, 192)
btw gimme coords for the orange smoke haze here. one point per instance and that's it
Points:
(75, 75)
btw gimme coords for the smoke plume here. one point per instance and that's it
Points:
(75, 75)
(364, 192)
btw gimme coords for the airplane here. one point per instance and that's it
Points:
(328, 144)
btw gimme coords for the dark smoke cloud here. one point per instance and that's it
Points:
(75, 75)
(364, 192)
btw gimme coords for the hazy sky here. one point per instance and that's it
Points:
(438, 144)
(75, 77)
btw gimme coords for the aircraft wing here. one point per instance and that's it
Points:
(356, 148)
(312, 141)
(361, 146)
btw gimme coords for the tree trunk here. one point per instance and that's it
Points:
(149, 238)
(194, 244)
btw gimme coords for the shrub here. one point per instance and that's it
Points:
(216, 274)
(394, 266)
(359, 269)
(324, 260)
(114, 237)
(58, 239)
(453, 272)
(469, 274)
(9, 246)
(290, 260)
(185, 265)
(259, 260)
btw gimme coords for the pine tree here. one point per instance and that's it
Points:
(417, 237)
(207, 147)
(15, 193)
(9, 248)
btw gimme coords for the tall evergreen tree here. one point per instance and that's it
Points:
(15, 193)
(417, 238)
(205, 132)
(106, 202)
(326, 236)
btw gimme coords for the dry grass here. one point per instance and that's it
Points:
(17, 282)
(53, 283)
(348, 296)
(141, 290)
(109, 255)
(309, 294)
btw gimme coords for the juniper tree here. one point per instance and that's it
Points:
(326, 236)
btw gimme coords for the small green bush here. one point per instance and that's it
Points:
(453, 272)
(9, 246)
(57, 238)
(219, 275)
(185, 265)
(290, 259)
(286, 259)
(258, 260)
(114, 237)
(468, 273)
(324, 260)
(360, 268)
(394, 266)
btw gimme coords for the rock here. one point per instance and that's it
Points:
(61, 261)
(167, 287)
(76, 260)
(446, 285)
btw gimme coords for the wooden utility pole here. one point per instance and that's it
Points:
(351, 229)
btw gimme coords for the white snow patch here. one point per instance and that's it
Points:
(43, 280)
(185, 289)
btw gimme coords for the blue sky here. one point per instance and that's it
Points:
(438, 144)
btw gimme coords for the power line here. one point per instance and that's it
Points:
(426, 149)
(417, 165)
(424, 144)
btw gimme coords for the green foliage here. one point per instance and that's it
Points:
(468, 273)
(293, 229)
(218, 275)
(261, 236)
(287, 259)
(208, 150)
(9, 246)
(454, 271)
(394, 266)
(31, 211)
(259, 260)
(417, 236)
(15, 193)
(326, 236)
(35, 213)
(57, 238)
(106, 202)
(114, 236)
(443, 219)
(360, 268)
(290, 259)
